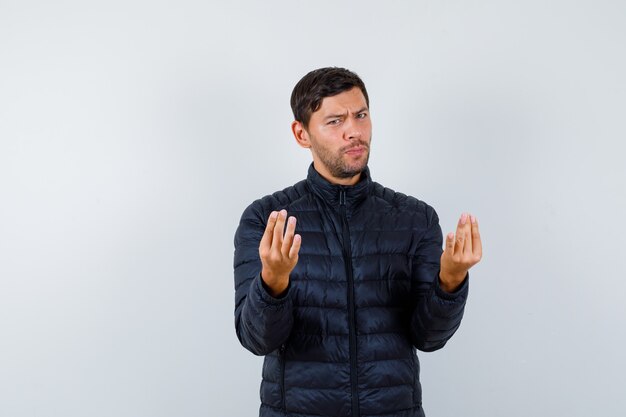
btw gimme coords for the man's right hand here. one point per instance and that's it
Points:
(279, 254)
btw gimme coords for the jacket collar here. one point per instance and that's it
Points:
(331, 193)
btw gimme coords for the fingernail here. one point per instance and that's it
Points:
(292, 220)
(463, 218)
(473, 219)
(273, 215)
(283, 212)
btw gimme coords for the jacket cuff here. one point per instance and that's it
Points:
(265, 296)
(461, 291)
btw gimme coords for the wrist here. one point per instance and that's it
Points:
(275, 286)
(451, 282)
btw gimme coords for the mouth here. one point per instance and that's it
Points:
(356, 150)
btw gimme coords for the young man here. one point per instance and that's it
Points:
(340, 307)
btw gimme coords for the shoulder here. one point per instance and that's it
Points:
(283, 199)
(254, 218)
(403, 204)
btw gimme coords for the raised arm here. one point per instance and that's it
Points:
(265, 254)
(441, 281)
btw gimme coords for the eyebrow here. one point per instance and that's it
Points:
(334, 116)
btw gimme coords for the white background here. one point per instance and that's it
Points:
(134, 133)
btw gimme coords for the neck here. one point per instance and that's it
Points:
(345, 181)
(338, 181)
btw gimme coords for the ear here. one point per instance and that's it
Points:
(301, 135)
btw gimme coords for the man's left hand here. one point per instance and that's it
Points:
(461, 253)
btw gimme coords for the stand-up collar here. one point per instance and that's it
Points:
(331, 193)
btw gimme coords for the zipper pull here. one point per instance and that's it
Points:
(342, 198)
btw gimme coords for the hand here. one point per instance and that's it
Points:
(460, 253)
(279, 255)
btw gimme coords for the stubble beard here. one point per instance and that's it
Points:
(338, 166)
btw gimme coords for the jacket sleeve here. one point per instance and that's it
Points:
(436, 314)
(262, 322)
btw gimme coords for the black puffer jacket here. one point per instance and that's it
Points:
(363, 296)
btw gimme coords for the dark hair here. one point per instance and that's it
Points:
(318, 84)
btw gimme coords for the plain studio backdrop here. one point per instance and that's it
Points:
(134, 133)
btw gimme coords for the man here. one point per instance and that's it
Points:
(339, 308)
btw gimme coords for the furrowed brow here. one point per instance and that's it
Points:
(335, 116)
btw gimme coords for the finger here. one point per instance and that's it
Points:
(266, 240)
(288, 239)
(477, 244)
(295, 248)
(279, 230)
(460, 234)
(467, 249)
(450, 243)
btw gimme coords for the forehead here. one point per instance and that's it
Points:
(351, 100)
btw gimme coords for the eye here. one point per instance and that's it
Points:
(361, 115)
(333, 122)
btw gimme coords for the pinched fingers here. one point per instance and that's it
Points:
(279, 242)
(279, 251)
(462, 251)
(467, 245)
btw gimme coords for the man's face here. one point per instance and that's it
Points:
(339, 135)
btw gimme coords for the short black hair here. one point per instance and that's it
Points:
(307, 95)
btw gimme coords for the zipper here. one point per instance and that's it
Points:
(347, 256)
(281, 354)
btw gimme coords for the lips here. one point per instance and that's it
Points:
(357, 145)
(356, 151)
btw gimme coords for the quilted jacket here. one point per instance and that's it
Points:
(363, 297)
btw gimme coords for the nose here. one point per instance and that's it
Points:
(352, 130)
